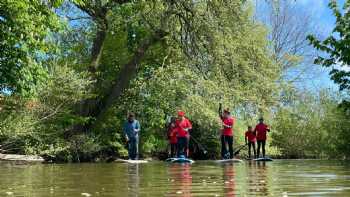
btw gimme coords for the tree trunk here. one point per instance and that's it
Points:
(97, 46)
(124, 77)
(87, 106)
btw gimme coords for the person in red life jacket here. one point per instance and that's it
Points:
(183, 127)
(261, 130)
(226, 134)
(250, 140)
(172, 137)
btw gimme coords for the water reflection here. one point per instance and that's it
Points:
(133, 180)
(262, 177)
(229, 180)
(251, 177)
(257, 176)
(181, 179)
(277, 178)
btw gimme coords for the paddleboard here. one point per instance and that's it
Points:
(263, 159)
(179, 160)
(130, 161)
(229, 161)
(170, 159)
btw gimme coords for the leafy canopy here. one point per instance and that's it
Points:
(24, 26)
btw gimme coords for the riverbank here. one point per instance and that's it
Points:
(22, 158)
(39, 159)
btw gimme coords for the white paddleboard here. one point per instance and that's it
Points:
(229, 161)
(170, 159)
(130, 161)
(263, 159)
(179, 160)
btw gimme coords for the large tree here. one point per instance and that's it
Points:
(204, 31)
(99, 11)
(289, 25)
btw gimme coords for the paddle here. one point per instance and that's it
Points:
(239, 149)
(166, 127)
(220, 110)
(200, 146)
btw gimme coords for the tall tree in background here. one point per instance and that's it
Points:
(99, 12)
(190, 26)
(289, 26)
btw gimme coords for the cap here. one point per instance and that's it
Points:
(181, 113)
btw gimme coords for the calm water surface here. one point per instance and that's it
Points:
(277, 178)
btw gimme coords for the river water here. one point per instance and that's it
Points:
(207, 178)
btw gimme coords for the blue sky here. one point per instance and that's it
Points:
(323, 21)
(320, 12)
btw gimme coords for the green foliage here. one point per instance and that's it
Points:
(337, 56)
(311, 126)
(230, 69)
(212, 52)
(38, 125)
(25, 26)
(337, 46)
(173, 88)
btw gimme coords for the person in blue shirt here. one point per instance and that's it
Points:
(132, 130)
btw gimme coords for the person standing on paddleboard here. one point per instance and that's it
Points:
(132, 130)
(226, 133)
(261, 130)
(172, 137)
(183, 136)
(250, 140)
